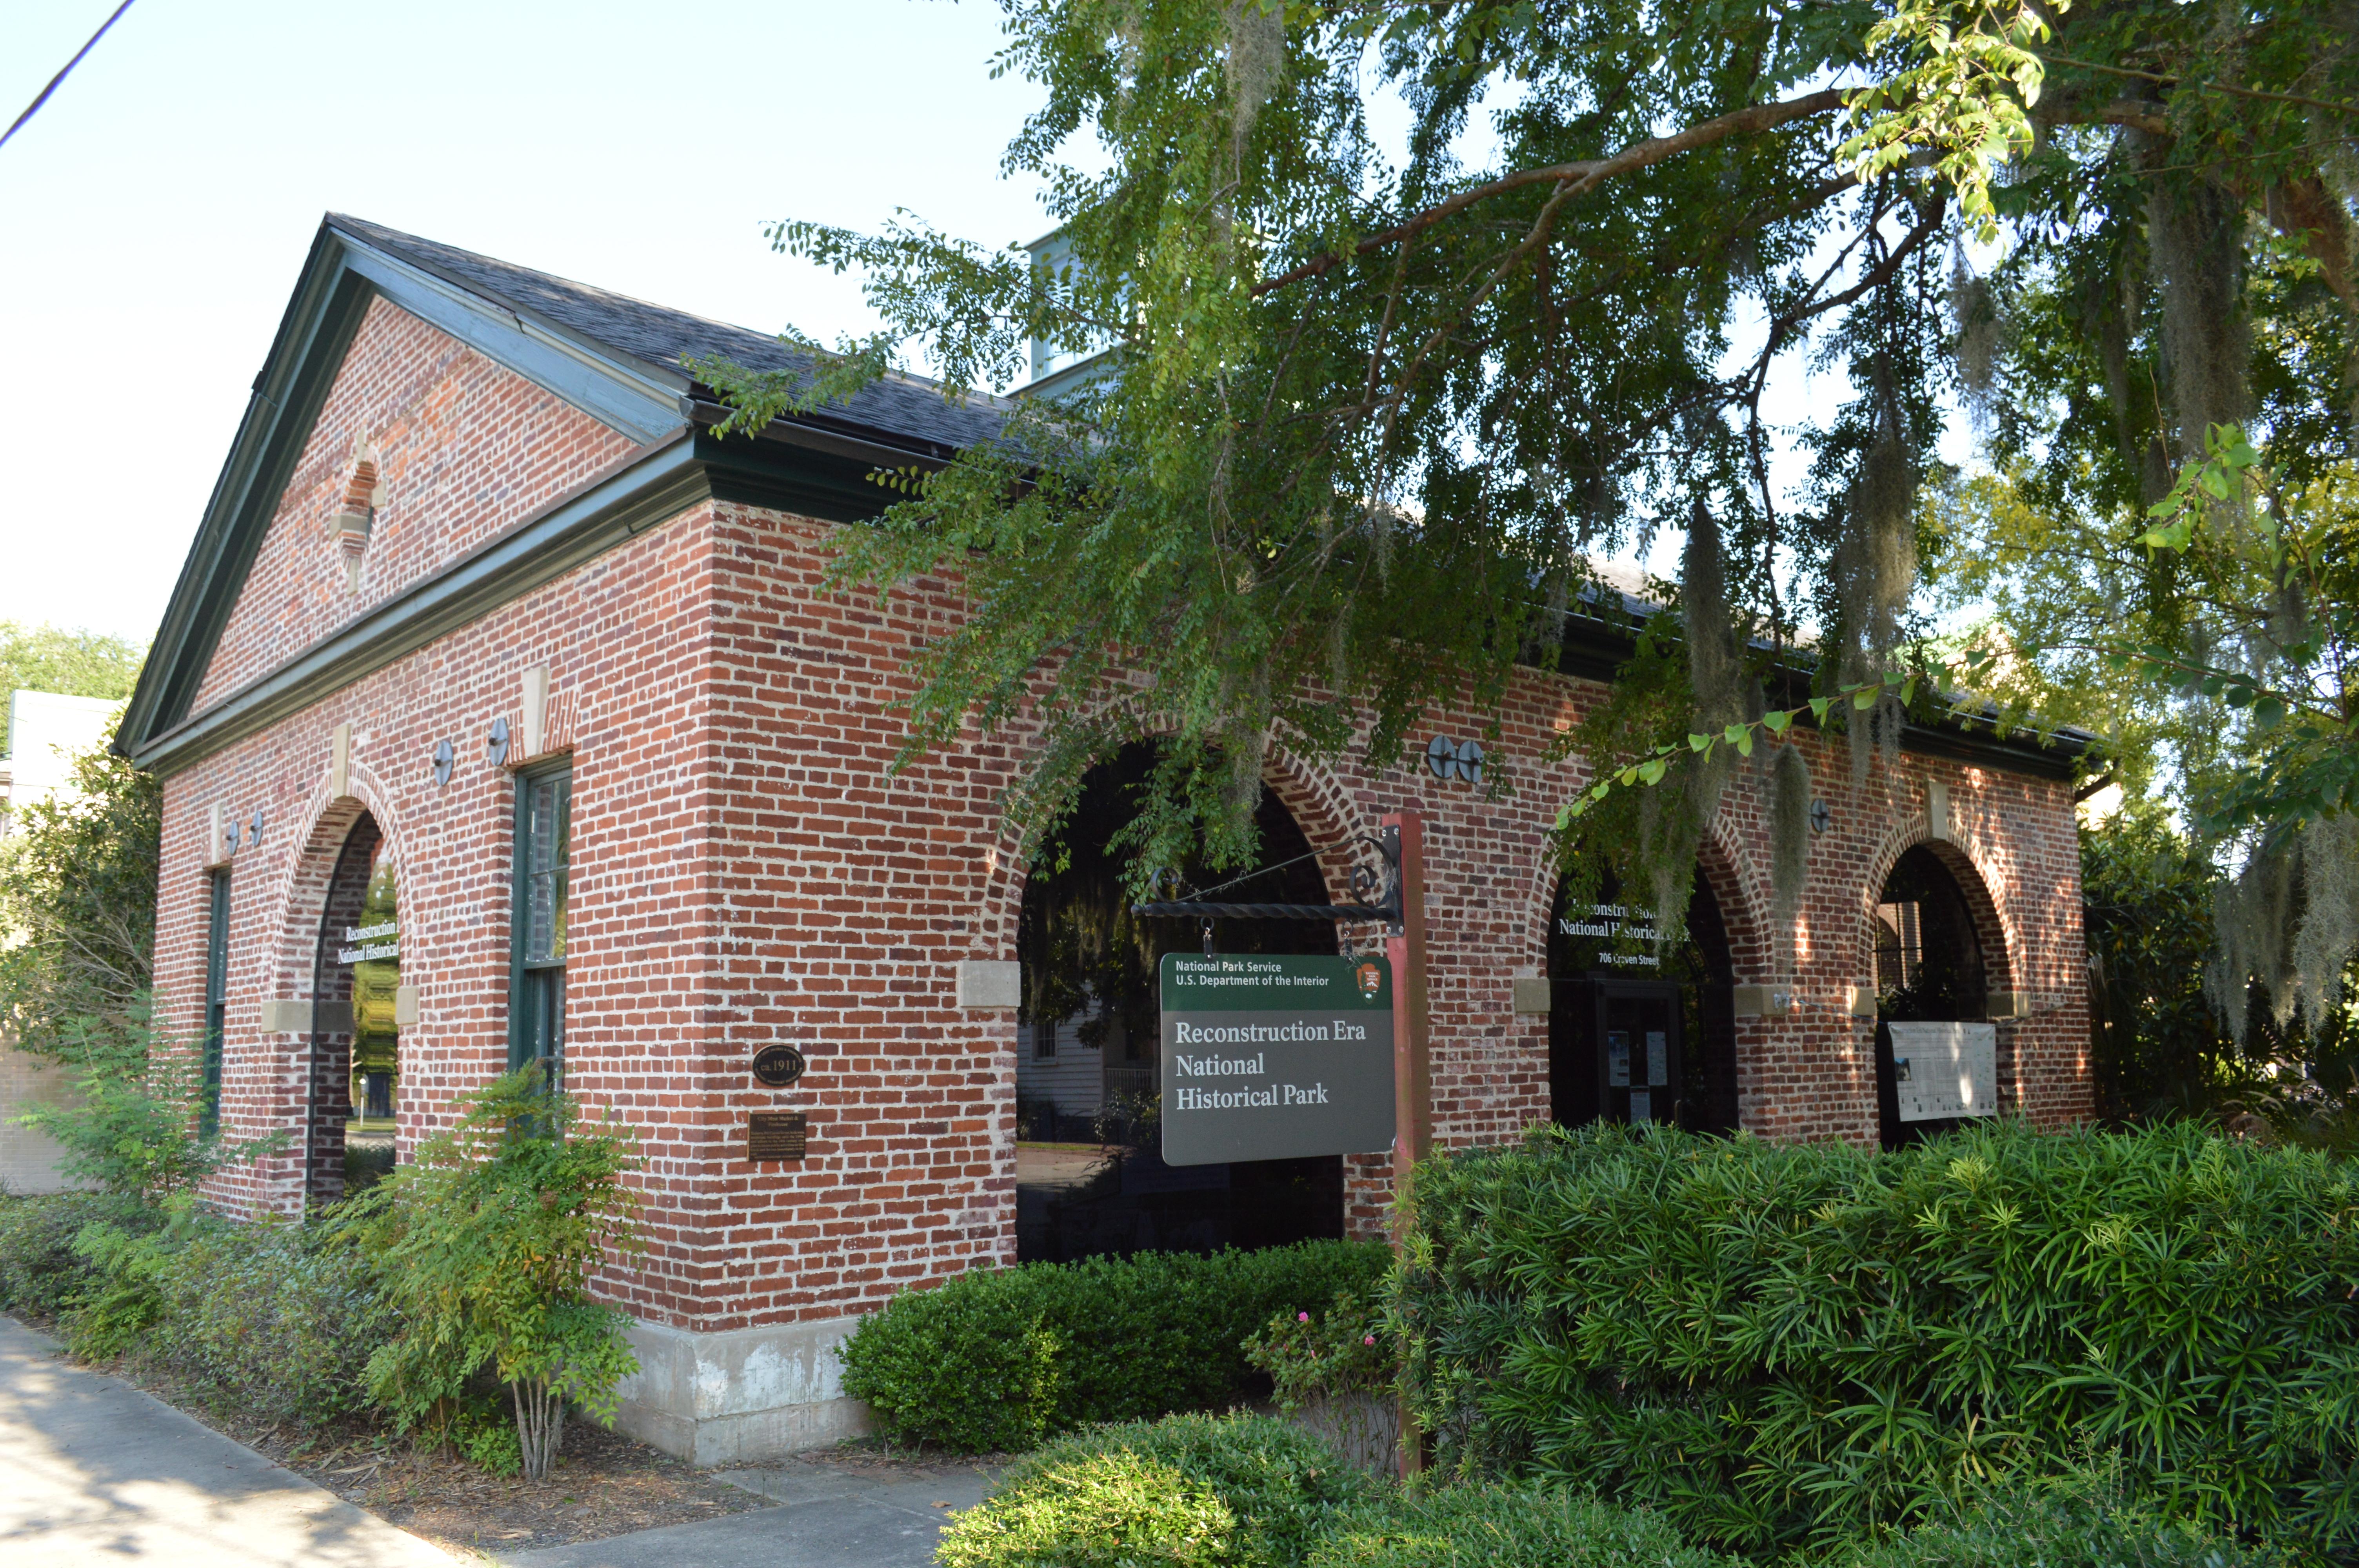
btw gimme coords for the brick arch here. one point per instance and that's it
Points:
(1320, 802)
(1993, 930)
(300, 899)
(302, 891)
(1716, 862)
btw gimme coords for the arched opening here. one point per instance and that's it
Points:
(1090, 1177)
(1929, 969)
(352, 1068)
(372, 949)
(1640, 1029)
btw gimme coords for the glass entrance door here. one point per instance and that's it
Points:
(1615, 1051)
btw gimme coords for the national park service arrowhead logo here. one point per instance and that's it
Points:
(1371, 978)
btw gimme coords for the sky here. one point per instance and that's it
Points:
(154, 214)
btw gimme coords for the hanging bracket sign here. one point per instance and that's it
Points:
(1274, 1056)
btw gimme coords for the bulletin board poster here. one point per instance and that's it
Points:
(1944, 1070)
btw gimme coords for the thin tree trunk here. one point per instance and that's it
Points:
(541, 1427)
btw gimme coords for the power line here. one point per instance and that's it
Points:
(30, 109)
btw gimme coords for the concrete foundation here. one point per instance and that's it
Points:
(741, 1397)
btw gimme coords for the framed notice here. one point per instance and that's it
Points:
(1274, 1056)
(1943, 1070)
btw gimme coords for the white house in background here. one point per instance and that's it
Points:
(46, 730)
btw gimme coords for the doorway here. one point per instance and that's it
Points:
(352, 1069)
(1641, 1030)
(1929, 969)
(1089, 1176)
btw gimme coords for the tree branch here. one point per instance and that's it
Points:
(1578, 178)
(2206, 83)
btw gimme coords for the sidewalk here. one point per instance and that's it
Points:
(91, 1470)
(829, 1517)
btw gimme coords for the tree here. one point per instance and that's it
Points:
(77, 905)
(1362, 419)
(77, 663)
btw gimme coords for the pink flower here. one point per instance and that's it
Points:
(1302, 1317)
(1369, 1340)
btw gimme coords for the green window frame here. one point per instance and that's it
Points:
(544, 826)
(216, 1001)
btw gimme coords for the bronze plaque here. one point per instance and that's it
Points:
(776, 1135)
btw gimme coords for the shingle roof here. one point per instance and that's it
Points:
(904, 406)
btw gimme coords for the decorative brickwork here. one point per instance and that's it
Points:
(747, 869)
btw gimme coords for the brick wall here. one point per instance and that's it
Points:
(462, 448)
(747, 869)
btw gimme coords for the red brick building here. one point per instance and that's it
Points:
(499, 713)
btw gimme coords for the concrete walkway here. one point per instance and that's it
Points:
(91, 1470)
(829, 1517)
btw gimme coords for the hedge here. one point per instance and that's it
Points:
(2082, 1522)
(1776, 1345)
(40, 1273)
(997, 1360)
(1246, 1491)
(1514, 1525)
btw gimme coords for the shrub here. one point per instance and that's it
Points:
(40, 1273)
(1342, 1349)
(271, 1318)
(1784, 1344)
(1189, 1491)
(486, 1244)
(1483, 1525)
(1337, 1373)
(998, 1358)
(124, 1299)
(2083, 1523)
(133, 1128)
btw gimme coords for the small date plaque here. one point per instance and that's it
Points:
(776, 1135)
(778, 1065)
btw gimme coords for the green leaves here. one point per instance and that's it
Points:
(487, 1241)
(1862, 696)
(1779, 1346)
(1065, 1345)
(1968, 76)
(2219, 475)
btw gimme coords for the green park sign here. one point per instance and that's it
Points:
(1274, 1056)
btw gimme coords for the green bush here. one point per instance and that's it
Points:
(273, 1319)
(1485, 1526)
(1776, 1345)
(125, 1300)
(1189, 1491)
(1342, 1349)
(40, 1273)
(998, 1358)
(485, 1244)
(2082, 1523)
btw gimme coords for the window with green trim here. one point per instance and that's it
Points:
(544, 822)
(216, 1002)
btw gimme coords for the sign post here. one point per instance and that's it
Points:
(1200, 1116)
(1412, 1052)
